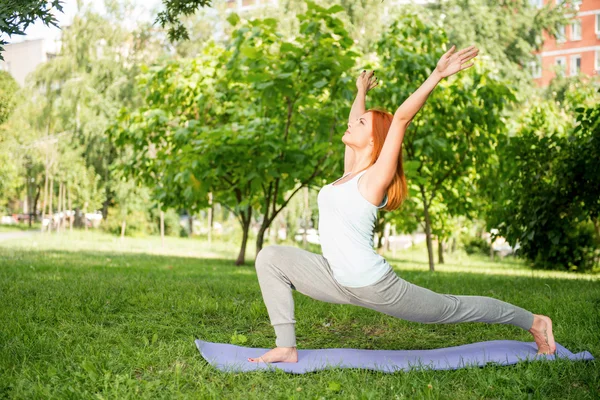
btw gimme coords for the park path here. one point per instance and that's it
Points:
(16, 234)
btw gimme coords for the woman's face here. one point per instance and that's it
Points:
(359, 133)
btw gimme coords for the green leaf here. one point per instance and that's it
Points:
(320, 84)
(334, 9)
(249, 52)
(233, 19)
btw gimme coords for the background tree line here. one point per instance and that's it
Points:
(125, 122)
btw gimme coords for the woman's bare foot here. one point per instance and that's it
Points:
(542, 334)
(278, 354)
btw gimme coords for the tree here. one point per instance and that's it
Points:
(507, 32)
(252, 123)
(545, 195)
(174, 10)
(8, 95)
(90, 80)
(17, 15)
(8, 102)
(455, 132)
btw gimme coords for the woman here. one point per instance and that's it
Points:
(350, 271)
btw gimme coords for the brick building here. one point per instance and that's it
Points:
(576, 50)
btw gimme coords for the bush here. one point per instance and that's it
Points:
(574, 251)
(476, 245)
(172, 226)
(138, 223)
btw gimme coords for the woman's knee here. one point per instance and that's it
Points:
(266, 256)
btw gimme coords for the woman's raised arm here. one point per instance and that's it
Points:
(449, 64)
(365, 82)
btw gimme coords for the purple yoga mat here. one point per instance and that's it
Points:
(231, 358)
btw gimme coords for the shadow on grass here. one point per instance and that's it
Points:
(226, 266)
(116, 259)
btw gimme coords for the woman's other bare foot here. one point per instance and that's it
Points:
(278, 354)
(542, 334)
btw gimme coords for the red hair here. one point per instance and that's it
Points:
(397, 192)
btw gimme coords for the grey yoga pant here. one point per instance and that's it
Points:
(281, 269)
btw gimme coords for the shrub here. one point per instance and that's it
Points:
(476, 245)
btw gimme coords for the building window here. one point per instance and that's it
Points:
(535, 67)
(576, 30)
(560, 34)
(575, 66)
(561, 63)
(597, 61)
(597, 24)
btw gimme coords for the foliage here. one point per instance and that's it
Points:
(171, 221)
(138, 222)
(8, 95)
(571, 92)
(9, 161)
(17, 15)
(475, 245)
(86, 85)
(545, 192)
(455, 132)
(507, 32)
(249, 123)
(171, 16)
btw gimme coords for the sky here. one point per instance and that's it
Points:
(143, 7)
(39, 30)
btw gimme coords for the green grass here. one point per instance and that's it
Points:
(85, 315)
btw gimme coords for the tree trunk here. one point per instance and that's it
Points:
(123, 225)
(210, 217)
(71, 216)
(246, 219)
(84, 217)
(27, 199)
(427, 229)
(379, 227)
(35, 203)
(191, 225)
(58, 210)
(64, 204)
(50, 210)
(108, 197)
(274, 229)
(386, 236)
(162, 229)
(453, 248)
(44, 199)
(261, 234)
(440, 251)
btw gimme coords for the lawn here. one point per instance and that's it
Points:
(85, 315)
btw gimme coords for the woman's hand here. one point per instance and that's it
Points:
(451, 63)
(366, 81)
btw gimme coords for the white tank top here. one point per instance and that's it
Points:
(346, 224)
